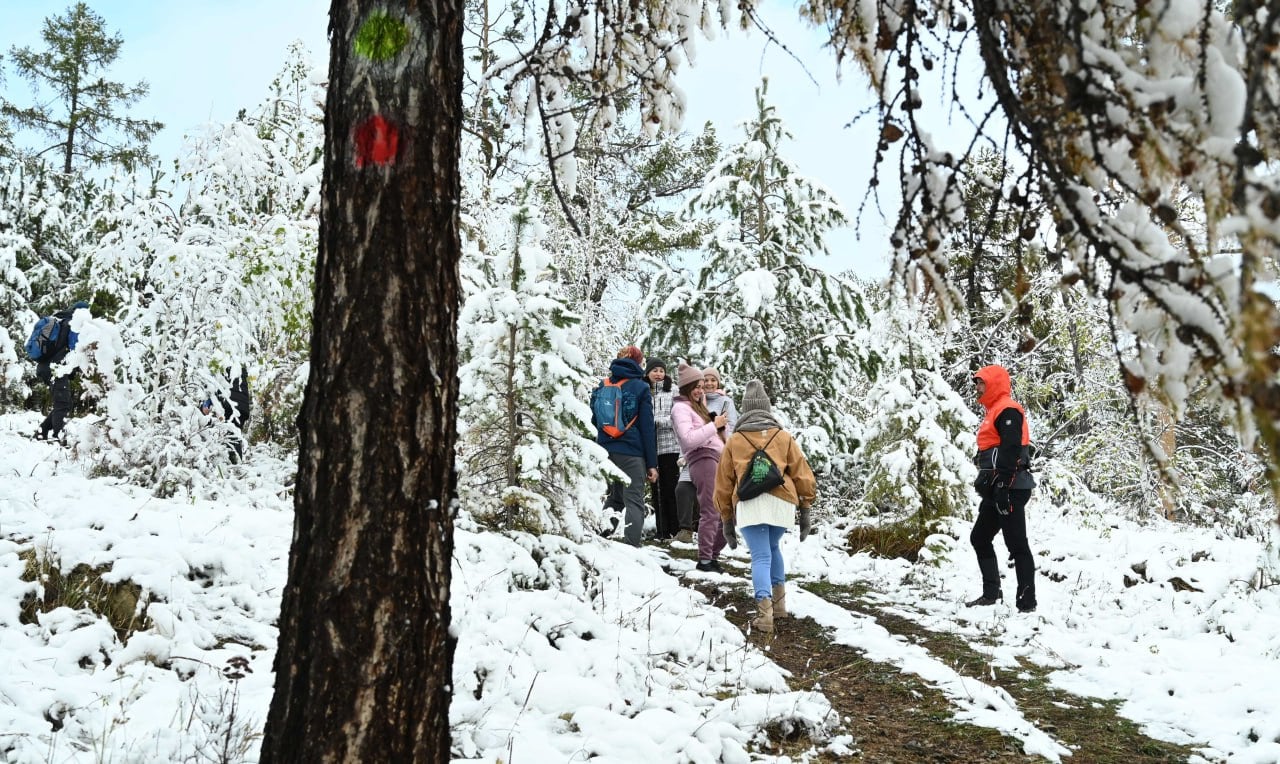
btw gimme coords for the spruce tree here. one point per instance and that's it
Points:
(74, 103)
(527, 455)
(917, 430)
(755, 306)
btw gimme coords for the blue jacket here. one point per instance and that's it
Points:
(641, 438)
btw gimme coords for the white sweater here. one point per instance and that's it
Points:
(766, 509)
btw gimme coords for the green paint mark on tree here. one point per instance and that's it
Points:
(381, 37)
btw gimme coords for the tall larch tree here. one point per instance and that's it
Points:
(6, 135)
(365, 656)
(86, 115)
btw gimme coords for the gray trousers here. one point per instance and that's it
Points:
(629, 496)
(687, 505)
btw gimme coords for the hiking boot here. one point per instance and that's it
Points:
(710, 566)
(983, 601)
(763, 622)
(1026, 608)
(780, 601)
(685, 537)
(609, 529)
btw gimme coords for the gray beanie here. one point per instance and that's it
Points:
(755, 398)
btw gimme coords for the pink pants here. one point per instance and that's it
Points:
(710, 529)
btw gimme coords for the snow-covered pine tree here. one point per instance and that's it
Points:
(15, 290)
(47, 223)
(917, 431)
(526, 455)
(271, 195)
(753, 305)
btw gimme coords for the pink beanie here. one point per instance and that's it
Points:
(687, 374)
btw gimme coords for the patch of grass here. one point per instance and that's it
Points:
(81, 588)
(902, 538)
(832, 592)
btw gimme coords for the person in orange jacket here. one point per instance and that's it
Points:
(764, 518)
(1004, 483)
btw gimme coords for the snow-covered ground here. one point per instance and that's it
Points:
(568, 652)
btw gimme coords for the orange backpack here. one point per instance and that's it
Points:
(612, 406)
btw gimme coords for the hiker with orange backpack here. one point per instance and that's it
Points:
(622, 413)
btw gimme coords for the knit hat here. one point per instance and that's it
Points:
(755, 398)
(654, 363)
(712, 371)
(687, 374)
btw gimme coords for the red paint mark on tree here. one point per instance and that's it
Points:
(376, 142)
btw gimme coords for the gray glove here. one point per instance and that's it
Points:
(730, 531)
(805, 528)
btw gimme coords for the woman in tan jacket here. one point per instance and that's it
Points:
(764, 518)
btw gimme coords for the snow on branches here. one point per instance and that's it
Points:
(1148, 129)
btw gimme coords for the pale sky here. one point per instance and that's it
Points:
(206, 60)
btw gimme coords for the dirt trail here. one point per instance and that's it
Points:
(896, 718)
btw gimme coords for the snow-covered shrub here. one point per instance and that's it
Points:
(216, 287)
(916, 446)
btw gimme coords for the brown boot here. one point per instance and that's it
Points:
(780, 601)
(763, 622)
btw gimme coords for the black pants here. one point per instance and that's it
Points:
(1014, 528)
(663, 495)
(60, 392)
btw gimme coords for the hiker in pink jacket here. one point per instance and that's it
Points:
(701, 437)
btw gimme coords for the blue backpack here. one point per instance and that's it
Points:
(614, 409)
(50, 335)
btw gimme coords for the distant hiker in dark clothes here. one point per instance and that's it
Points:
(235, 408)
(1004, 483)
(664, 491)
(59, 387)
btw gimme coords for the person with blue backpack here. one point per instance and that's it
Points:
(622, 413)
(50, 342)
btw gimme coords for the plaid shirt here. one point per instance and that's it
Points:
(667, 443)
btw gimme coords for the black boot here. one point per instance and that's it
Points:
(990, 569)
(1025, 565)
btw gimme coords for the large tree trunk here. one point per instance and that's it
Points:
(365, 658)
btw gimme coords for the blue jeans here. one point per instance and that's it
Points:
(767, 568)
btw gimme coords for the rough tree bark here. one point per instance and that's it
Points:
(365, 659)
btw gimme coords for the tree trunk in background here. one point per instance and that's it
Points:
(365, 658)
(1169, 443)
